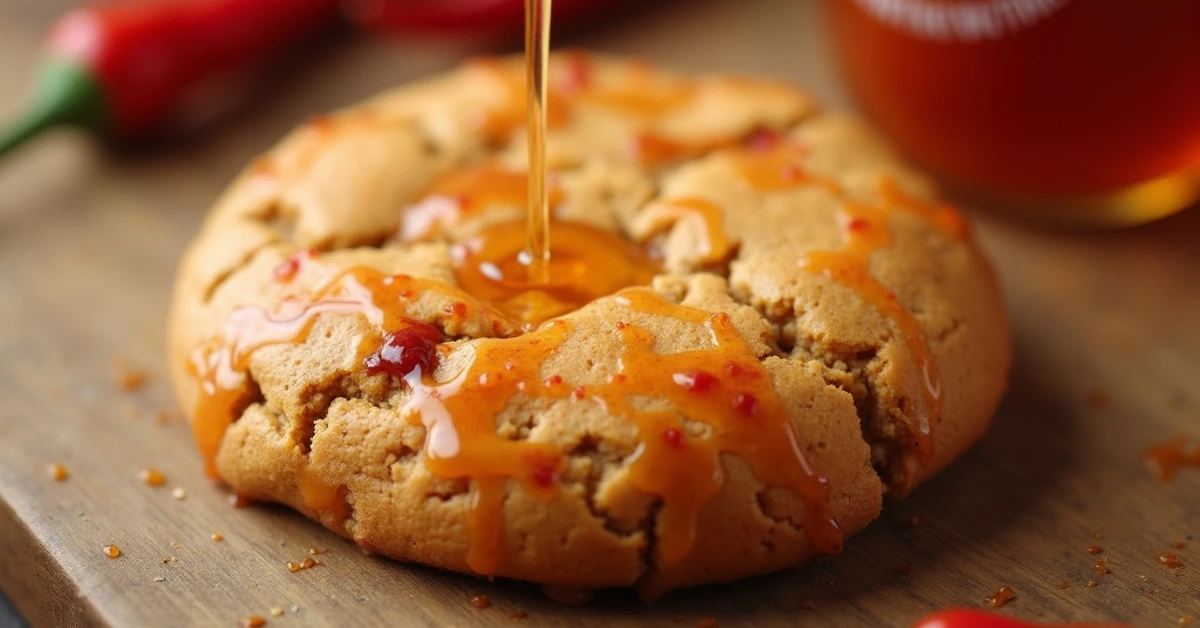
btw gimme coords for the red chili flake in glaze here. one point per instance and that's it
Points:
(616, 378)
(622, 324)
(579, 393)
(1170, 560)
(481, 602)
(543, 473)
(858, 224)
(695, 381)
(745, 403)
(737, 370)
(553, 380)
(404, 350)
(763, 140)
(673, 437)
(287, 269)
(457, 310)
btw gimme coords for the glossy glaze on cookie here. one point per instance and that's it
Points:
(671, 434)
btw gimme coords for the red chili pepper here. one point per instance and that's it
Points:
(964, 618)
(127, 68)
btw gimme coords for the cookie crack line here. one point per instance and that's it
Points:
(707, 394)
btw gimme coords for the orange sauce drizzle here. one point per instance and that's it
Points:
(769, 163)
(466, 191)
(715, 244)
(1166, 459)
(585, 264)
(727, 388)
(724, 386)
(220, 365)
(865, 231)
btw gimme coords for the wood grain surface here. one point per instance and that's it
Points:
(1107, 333)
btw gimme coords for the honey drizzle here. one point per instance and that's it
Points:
(464, 192)
(489, 267)
(714, 243)
(775, 165)
(537, 56)
(865, 231)
(746, 415)
(220, 365)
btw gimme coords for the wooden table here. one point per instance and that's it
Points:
(88, 245)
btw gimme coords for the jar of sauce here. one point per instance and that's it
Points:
(1073, 112)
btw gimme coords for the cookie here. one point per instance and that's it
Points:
(768, 323)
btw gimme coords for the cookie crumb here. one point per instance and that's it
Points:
(307, 563)
(253, 621)
(313, 551)
(276, 612)
(1185, 620)
(1094, 549)
(112, 551)
(168, 560)
(1102, 566)
(160, 579)
(1002, 597)
(1143, 578)
(153, 477)
(128, 377)
(481, 602)
(179, 494)
(295, 609)
(58, 472)
(1092, 584)
(217, 536)
(1170, 560)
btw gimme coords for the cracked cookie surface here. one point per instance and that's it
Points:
(819, 330)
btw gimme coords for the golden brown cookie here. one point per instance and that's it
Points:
(815, 329)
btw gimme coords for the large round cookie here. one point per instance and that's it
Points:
(822, 331)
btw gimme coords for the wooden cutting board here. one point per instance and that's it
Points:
(1107, 334)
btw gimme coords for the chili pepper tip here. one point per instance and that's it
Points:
(65, 94)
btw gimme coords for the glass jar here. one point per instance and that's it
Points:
(1074, 112)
